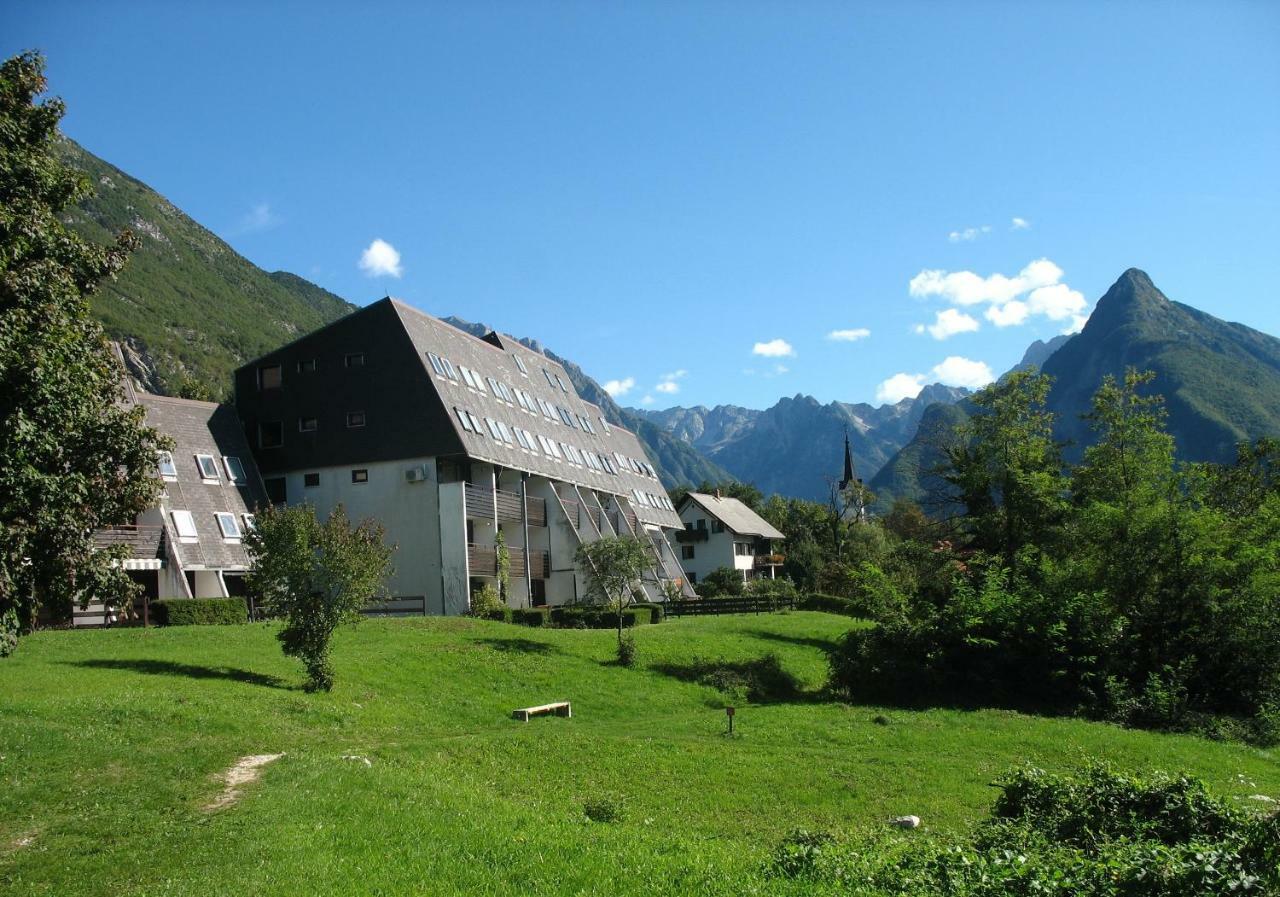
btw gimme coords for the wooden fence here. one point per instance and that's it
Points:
(735, 605)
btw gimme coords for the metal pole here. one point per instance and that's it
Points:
(524, 523)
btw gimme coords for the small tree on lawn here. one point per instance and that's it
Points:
(611, 565)
(317, 576)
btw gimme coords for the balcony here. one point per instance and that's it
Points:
(483, 561)
(485, 504)
(143, 541)
(687, 536)
(770, 560)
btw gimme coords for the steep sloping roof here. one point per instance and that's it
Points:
(205, 428)
(735, 515)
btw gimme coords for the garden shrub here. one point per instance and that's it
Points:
(200, 611)
(531, 616)
(487, 604)
(591, 616)
(758, 680)
(1091, 834)
(657, 613)
(627, 650)
(721, 582)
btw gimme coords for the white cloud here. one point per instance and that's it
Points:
(1010, 314)
(669, 387)
(381, 260)
(1058, 302)
(647, 400)
(1077, 324)
(781, 369)
(947, 323)
(849, 336)
(967, 288)
(621, 387)
(899, 387)
(957, 371)
(1020, 224)
(952, 371)
(969, 234)
(775, 348)
(259, 218)
(675, 375)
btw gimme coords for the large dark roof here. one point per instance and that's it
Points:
(735, 515)
(205, 428)
(402, 391)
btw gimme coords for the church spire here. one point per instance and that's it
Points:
(848, 463)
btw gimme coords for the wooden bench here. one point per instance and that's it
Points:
(559, 708)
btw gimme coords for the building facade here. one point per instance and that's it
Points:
(724, 532)
(447, 439)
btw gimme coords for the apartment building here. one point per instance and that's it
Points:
(448, 439)
(724, 532)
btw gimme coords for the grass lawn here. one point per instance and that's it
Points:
(113, 742)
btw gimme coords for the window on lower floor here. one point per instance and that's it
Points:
(269, 376)
(686, 552)
(310, 479)
(235, 470)
(355, 419)
(277, 490)
(353, 360)
(270, 434)
(360, 476)
(308, 425)
(693, 578)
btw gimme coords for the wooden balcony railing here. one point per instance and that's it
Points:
(143, 541)
(484, 504)
(770, 560)
(483, 561)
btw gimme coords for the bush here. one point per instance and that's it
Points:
(627, 650)
(657, 613)
(721, 582)
(777, 591)
(531, 616)
(831, 604)
(200, 611)
(591, 616)
(8, 632)
(487, 604)
(605, 808)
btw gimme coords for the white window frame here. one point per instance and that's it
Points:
(227, 520)
(165, 459)
(184, 524)
(520, 364)
(232, 464)
(213, 465)
(463, 417)
(436, 363)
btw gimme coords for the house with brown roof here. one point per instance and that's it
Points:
(448, 440)
(724, 532)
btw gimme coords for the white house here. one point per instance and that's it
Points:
(448, 439)
(724, 532)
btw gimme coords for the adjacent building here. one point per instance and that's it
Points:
(724, 532)
(190, 545)
(448, 440)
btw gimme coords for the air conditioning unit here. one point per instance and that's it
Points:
(416, 474)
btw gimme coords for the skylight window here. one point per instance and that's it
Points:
(208, 467)
(475, 424)
(493, 428)
(449, 369)
(493, 387)
(551, 381)
(185, 524)
(465, 419)
(436, 363)
(228, 525)
(506, 433)
(520, 364)
(563, 386)
(523, 438)
(164, 461)
(235, 470)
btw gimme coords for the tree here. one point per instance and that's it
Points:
(722, 581)
(611, 565)
(1007, 469)
(317, 576)
(73, 457)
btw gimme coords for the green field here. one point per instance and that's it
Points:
(113, 742)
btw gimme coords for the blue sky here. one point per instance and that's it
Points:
(694, 196)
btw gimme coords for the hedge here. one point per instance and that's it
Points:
(832, 604)
(656, 611)
(531, 616)
(578, 616)
(200, 611)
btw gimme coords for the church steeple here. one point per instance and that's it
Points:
(848, 463)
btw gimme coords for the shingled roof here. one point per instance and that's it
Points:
(735, 515)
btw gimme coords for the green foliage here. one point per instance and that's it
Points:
(648, 611)
(73, 459)
(200, 611)
(605, 808)
(316, 575)
(871, 593)
(487, 604)
(758, 679)
(1098, 834)
(531, 616)
(627, 651)
(8, 632)
(781, 589)
(502, 558)
(579, 616)
(722, 581)
(612, 566)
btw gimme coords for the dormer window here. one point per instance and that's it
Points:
(235, 470)
(164, 462)
(208, 467)
(228, 525)
(185, 524)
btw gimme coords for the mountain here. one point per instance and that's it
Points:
(794, 447)
(1220, 381)
(677, 462)
(187, 309)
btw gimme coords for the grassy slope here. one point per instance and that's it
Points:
(110, 742)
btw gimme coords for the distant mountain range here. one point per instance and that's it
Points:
(1220, 381)
(188, 310)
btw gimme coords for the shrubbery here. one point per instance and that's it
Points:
(199, 611)
(531, 616)
(1097, 833)
(487, 604)
(592, 616)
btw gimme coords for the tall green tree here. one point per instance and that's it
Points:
(73, 458)
(316, 575)
(1007, 469)
(611, 565)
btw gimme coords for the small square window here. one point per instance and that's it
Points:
(227, 523)
(355, 419)
(353, 360)
(164, 461)
(307, 367)
(208, 467)
(686, 552)
(310, 479)
(269, 377)
(235, 470)
(270, 434)
(308, 425)
(185, 524)
(360, 476)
